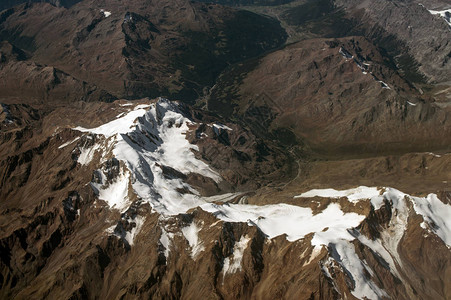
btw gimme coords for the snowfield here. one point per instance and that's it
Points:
(353, 195)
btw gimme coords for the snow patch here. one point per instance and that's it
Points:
(119, 126)
(106, 14)
(315, 252)
(166, 241)
(391, 237)
(344, 254)
(436, 215)
(326, 265)
(384, 85)
(131, 235)
(4, 109)
(218, 126)
(68, 143)
(116, 192)
(434, 155)
(232, 264)
(345, 53)
(191, 234)
(110, 230)
(377, 247)
(87, 154)
(395, 197)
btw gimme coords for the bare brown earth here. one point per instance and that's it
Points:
(144, 48)
(25, 81)
(412, 25)
(328, 104)
(11, 3)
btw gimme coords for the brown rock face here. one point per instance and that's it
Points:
(335, 96)
(424, 36)
(41, 84)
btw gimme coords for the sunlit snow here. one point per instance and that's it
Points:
(68, 143)
(106, 14)
(115, 193)
(232, 264)
(191, 233)
(294, 221)
(353, 195)
(152, 136)
(165, 241)
(87, 154)
(130, 235)
(436, 214)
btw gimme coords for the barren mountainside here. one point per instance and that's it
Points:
(140, 48)
(154, 149)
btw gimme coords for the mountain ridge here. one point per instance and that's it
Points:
(178, 149)
(262, 234)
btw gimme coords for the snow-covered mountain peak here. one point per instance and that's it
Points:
(149, 141)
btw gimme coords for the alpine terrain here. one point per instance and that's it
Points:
(264, 149)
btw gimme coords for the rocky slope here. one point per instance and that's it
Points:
(11, 3)
(125, 210)
(334, 96)
(355, 72)
(37, 83)
(415, 34)
(134, 49)
(414, 27)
